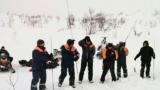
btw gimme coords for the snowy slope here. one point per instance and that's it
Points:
(20, 41)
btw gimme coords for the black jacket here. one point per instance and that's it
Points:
(68, 55)
(146, 53)
(88, 50)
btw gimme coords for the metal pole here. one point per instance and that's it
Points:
(154, 64)
(67, 3)
(129, 34)
(52, 68)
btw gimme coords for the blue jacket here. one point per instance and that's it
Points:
(122, 52)
(68, 55)
(40, 57)
(88, 50)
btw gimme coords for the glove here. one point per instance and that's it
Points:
(30, 70)
(51, 56)
(13, 71)
(49, 62)
(153, 57)
(76, 58)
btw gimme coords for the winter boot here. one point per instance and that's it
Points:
(114, 79)
(42, 87)
(59, 84)
(102, 81)
(125, 75)
(142, 73)
(34, 88)
(91, 81)
(12, 70)
(148, 73)
(80, 82)
(71, 83)
(148, 76)
(73, 86)
(118, 74)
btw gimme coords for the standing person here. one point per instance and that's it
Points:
(146, 53)
(122, 52)
(40, 56)
(109, 56)
(69, 55)
(87, 58)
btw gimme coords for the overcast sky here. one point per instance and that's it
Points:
(58, 7)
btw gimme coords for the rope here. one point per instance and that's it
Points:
(154, 64)
(77, 68)
(13, 83)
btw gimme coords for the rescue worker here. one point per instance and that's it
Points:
(121, 62)
(88, 49)
(40, 57)
(69, 55)
(109, 55)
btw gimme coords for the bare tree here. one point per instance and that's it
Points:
(100, 19)
(70, 21)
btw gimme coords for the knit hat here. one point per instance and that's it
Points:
(122, 43)
(110, 45)
(146, 42)
(70, 42)
(2, 47)
(87, 38)
(39, 42)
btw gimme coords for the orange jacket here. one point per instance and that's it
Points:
(126, 51)
(68, 48)
(38, 49)
(104, 54)
(73, 49)
(69, 54)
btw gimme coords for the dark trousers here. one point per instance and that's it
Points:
(64, 74)
(38, 75)
(109, 65)
(83, 67)
(146, 64)
(122, 64)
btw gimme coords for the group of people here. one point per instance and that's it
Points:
(70, 54)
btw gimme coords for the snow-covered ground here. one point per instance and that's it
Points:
(20, 40)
